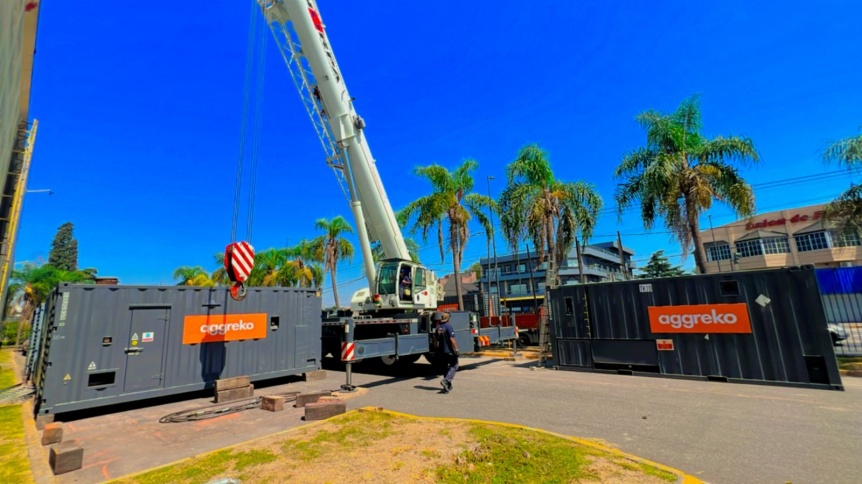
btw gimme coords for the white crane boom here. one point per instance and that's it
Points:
(305, 47)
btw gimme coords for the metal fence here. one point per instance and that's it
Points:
(841, 291)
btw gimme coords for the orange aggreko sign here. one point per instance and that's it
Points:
(202, 328)
(700, 318)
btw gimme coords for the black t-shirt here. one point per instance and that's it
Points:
(444, 343)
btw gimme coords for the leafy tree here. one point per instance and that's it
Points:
(332, 248)
(659, 266)
(549, 212)
(64, 249)
(846, 210)
(35, 282)
(219, 276)
(679, 172)
(452, 203)
(476, 269)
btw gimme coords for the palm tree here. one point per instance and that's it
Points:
(298, 270)
(451, 202)
(36, 282)
(219, 276)
(679, 173)
(185, 275)
(549, 212)
(332, 247)
(846, 210)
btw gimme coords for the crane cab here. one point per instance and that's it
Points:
(399, 285)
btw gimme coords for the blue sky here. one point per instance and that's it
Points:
(139, 110)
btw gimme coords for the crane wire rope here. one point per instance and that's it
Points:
(256, 128)
(249, 64)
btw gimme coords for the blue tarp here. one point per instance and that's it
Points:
(842, 280)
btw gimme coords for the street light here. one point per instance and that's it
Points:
(41, 190)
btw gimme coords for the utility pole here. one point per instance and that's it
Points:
(494, 245)
(714, 251)
(622, 256)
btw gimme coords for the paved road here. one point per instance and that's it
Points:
(719, 432)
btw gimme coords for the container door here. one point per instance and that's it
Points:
(145, 349)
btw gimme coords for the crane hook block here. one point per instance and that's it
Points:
(238, 291)
(238, 261)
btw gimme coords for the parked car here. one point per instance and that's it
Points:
(837, 332)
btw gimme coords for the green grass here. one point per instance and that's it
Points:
(850, 362)
(503, 454)
(14, 465)
(7, 376)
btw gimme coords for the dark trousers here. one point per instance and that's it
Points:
(451, 362)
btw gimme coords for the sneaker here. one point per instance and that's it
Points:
(443, 383)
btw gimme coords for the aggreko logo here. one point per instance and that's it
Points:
(700, 318)
(202, 328)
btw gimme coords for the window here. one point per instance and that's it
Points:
(541, 288)
(776, 245)
(716, 252)
(419, 282)
(522, 268)
(812, 241)
(570, 305)
(516, 289)
(749, 248)
(847, 239)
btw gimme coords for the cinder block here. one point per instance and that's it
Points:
(234, 394)
(66, 457)
(315, 375)
(42, 420)
(304, 399)
(325, 409)
(232, 383)
(52, 434)
(272, 403)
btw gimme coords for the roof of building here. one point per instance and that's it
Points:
(761, 234)
(817, 226)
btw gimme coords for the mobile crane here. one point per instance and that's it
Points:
(390, 318)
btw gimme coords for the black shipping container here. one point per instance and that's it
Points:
(781, 334)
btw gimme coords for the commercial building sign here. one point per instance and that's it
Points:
(797, 218)
(203, 328)
(700, 318)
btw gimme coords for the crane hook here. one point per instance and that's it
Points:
(238, 262)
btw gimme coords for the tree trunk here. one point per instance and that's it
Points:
(334, 285)
(580, 261)
(549, 234)
(694, 227)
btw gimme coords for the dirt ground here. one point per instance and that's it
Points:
(371, 446)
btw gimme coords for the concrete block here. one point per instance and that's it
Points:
(272, 403)
(234, 394)
(42, 420)
(66, 457)
(52, 434)
(304, 399)
(314, 375)
(325, 409)
(232, 383)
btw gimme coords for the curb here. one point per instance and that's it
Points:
(682, 477)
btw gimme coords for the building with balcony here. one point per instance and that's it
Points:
(509, 276)
(785, 238)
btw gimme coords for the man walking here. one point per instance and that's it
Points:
(447, 348)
